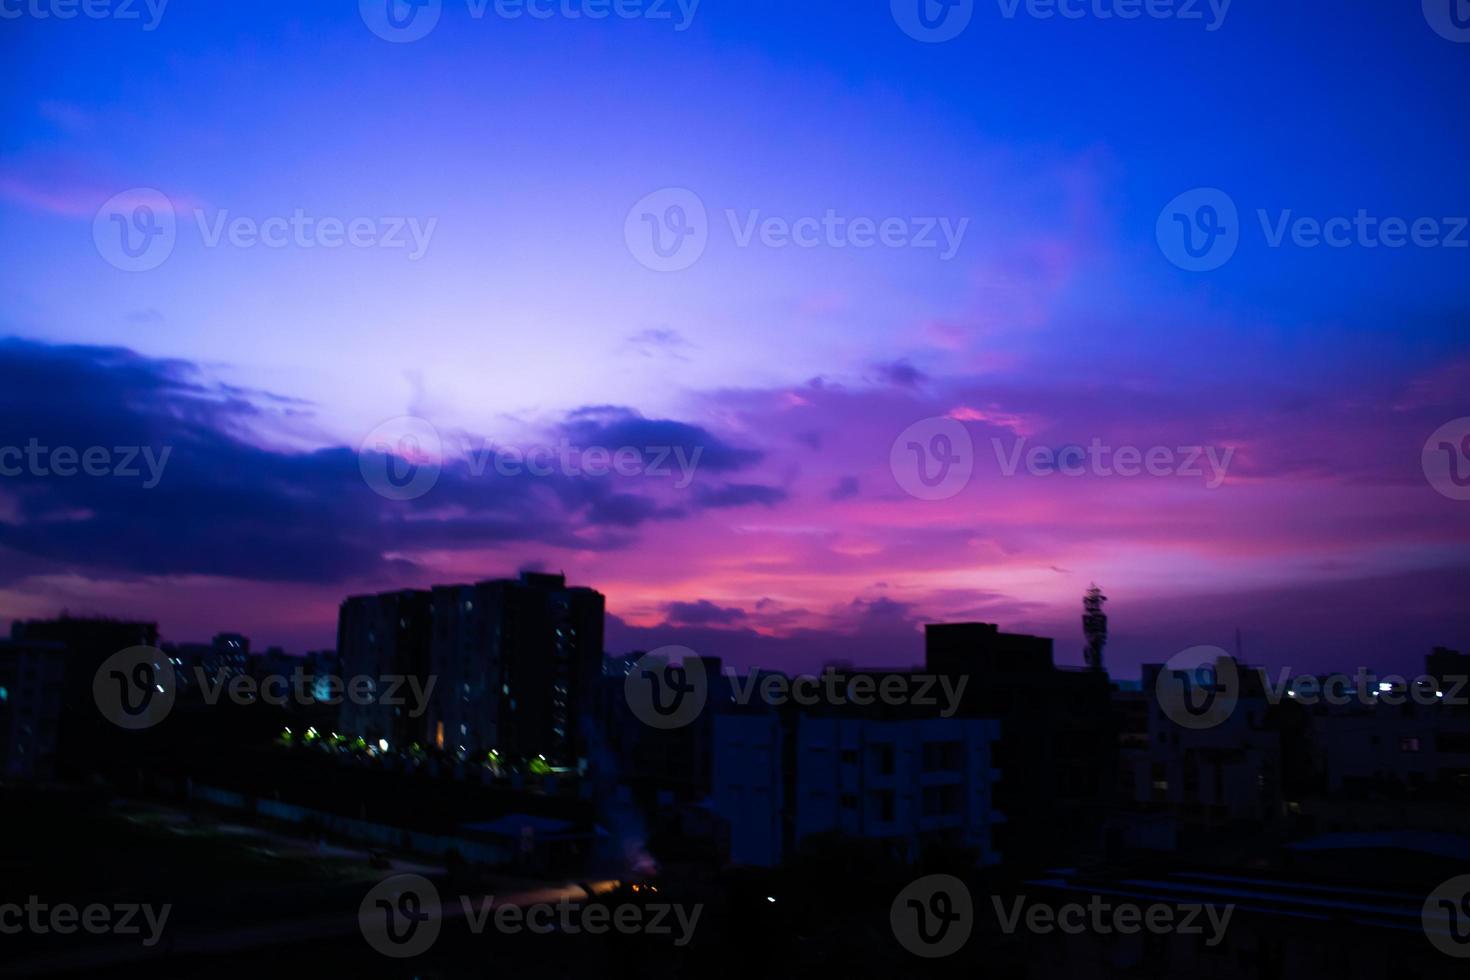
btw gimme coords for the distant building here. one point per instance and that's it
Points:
(1209, 777)
(380, 637)
(32, 679)
(1369, 756)
(1394, 743)
(664, 766)
(322, 666)
(188, 661)
(1058, 748)
(781, 777)
(229, 655)
(518, 663)
(49, 719)
(274, 662)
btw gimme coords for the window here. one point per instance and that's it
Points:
(883, 759)
(1458, 742)
(885, 805)
(941, 801)
(849, 757)
(1408, 744)
(943, 756)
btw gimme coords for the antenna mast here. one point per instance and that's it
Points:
(1094, 626)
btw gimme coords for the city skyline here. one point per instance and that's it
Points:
(734, 488)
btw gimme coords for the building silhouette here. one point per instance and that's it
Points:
(518, 663)
(49, 721)
(1058, 747)
(380, 637)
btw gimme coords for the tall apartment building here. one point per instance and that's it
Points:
(518, 663)
(378, 637)
(49, 720)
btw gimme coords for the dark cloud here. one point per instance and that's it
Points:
(701, 613)
(902, 374)
(663, 442)
(876, 641)
(846, 489)
(737, 495)
(224, 505)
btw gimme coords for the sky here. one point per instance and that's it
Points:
(789, 245)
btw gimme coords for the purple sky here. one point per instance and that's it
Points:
(527, 314)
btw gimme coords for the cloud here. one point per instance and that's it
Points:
(846, 489)
(225, 505)
(902, 374)
(702, 612)
(66, 189)
(614, 427)
(659, 342)
(738, 495)
(1326, 497)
